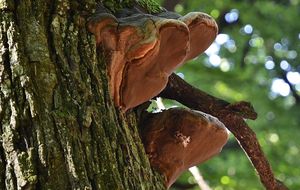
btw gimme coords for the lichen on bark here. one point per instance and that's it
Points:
(58, 126)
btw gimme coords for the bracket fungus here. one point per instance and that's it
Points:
(143, 50)
(177, 139)
(202, 30)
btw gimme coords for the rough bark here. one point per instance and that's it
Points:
(58, 126)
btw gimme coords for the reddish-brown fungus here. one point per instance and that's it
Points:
(141, 57)
(146, 77)
(145, 49)
(104, 24)
(136, 39)
(178, 139)
(124, 41)
(203, 31)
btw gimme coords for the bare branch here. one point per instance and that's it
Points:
(199, 178)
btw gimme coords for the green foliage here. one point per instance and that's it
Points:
(261, 49)
(148, 5)
(151, 5)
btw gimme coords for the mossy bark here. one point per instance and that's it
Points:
(59, 128)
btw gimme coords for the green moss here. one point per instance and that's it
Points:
(27, 172)
(151, 6)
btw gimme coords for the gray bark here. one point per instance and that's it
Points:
(59, 128)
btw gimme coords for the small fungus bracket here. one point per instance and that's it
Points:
(145, 49)
(177, 139)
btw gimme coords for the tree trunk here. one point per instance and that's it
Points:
(59, 128)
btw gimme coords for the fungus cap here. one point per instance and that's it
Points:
(178, 139)
(143, 50)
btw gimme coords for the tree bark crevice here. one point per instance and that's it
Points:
(3, 163)
(59, 127)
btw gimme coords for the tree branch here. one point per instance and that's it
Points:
(232, 115)
(293, 90)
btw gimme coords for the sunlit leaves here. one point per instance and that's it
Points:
(255, 57)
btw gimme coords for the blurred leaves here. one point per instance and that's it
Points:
(256, 58)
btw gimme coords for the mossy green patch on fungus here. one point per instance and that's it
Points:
(150, 5)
